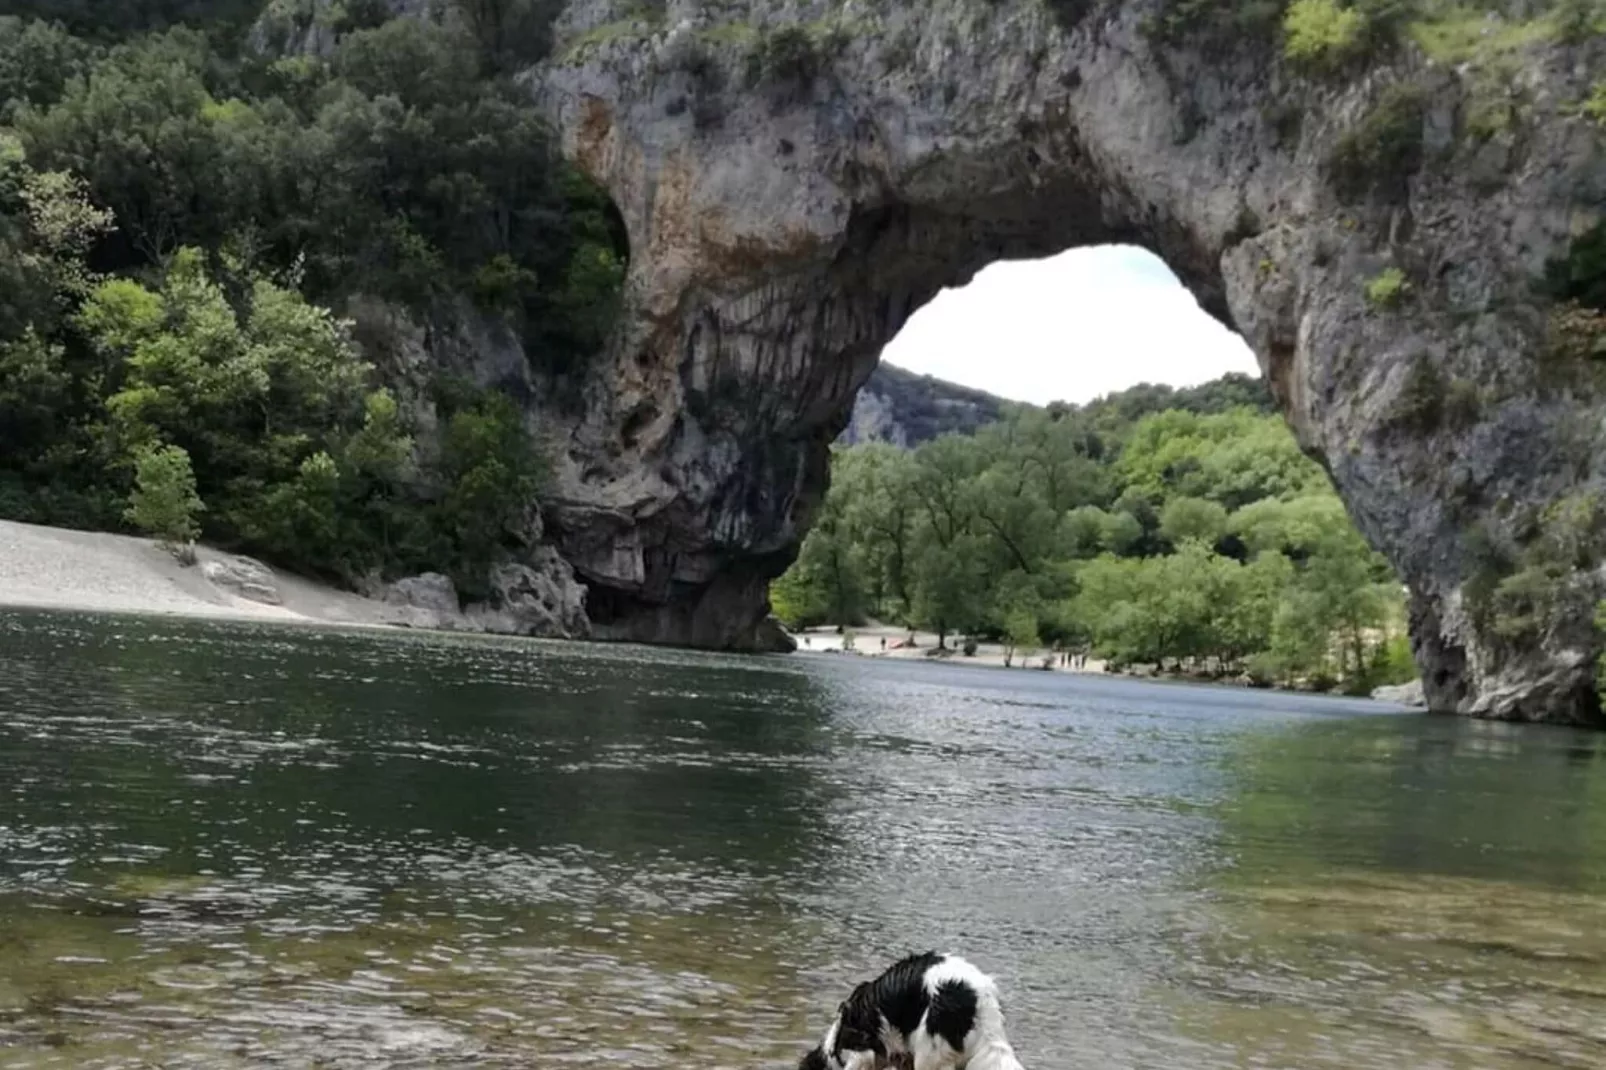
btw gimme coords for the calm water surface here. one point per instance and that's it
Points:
(255, 846)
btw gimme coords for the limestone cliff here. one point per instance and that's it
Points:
(906, 409)
(798, 176)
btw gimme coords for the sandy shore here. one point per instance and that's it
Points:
(867, 642)
(96, 572)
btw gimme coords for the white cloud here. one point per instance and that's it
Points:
(1069, 328)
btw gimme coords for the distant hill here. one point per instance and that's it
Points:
(907, 409)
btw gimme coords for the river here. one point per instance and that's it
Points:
(250, 845)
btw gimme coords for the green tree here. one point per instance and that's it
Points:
(1233, 458)
(164, 503)
(830, 569)
(492, 470)
(37, 61)
(1294, 527)
(1018, 608)
(1082, 532)
(34, 389)
(1184, 519)
(299, 520)
(138, 128)
(1122, 533)
(948, 587)
(872, 492)
(796, 600)
(940, 485)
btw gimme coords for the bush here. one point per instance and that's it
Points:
(1393, 665)
(1600, 661)
(164, 503)
(1226, 24)
(1069, 13)
(1419, 406)
(1580, 274)
(1594, 106)
(1384, 150)
(1387, 289)
(1322, 34)
(786, 55)
(1524, 603)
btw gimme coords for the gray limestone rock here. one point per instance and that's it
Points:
(787, 215)
(540, 598)
(1402, 694)
(244, 577)
(429, 601)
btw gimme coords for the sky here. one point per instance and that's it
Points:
(1069, 328)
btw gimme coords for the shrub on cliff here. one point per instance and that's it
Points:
(1380, 153)
(1388, 288)
(1594, 106)
(786, 55)
(1600, 660)
(1322, 34)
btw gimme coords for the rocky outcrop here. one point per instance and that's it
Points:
(426, 601)
(797, 177)
(905, 409)
(538, 597)
(243, 577)
(1402, 694)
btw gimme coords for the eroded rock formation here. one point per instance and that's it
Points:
(793, 195)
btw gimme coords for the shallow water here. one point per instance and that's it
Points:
(238, 845)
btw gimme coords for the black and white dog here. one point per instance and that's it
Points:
(937, 1011)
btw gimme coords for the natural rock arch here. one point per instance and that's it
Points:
(797, 177)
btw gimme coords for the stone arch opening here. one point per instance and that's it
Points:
(795, 186)
(1058, 331)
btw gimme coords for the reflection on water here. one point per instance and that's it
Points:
(246, 845)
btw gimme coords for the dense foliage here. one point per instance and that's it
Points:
(181, 212)
(1148, 534)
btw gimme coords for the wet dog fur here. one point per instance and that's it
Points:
(925, 1012)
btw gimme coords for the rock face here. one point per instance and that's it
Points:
(538, 597)
(245, 577)
(798, 176)
(906, 409)
(1402, 694)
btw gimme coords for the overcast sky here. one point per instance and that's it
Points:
(1069, 328)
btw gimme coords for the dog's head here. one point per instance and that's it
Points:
(815, 1060)
(854, 1040)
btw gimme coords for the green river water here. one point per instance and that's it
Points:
(248, 845)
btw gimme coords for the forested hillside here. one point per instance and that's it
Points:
(1153, 527)
(905, 408)
(205, 233)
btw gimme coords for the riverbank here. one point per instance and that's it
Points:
(96, 572)
(876, 640)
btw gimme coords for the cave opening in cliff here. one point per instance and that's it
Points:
(1070, 328)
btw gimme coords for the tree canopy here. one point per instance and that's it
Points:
(1196, 536)
(187, 223)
